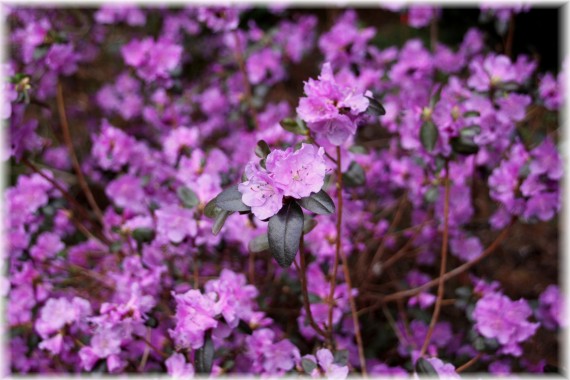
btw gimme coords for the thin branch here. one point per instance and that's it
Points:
(74, 160)
(441, 284)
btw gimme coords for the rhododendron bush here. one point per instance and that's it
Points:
(272, 191)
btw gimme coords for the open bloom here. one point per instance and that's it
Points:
(330, 108)
(290, 173)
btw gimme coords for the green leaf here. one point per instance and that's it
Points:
(425, 367)
(262, 149)
(188, 197)
(143, 235)
(309, 224)
(319, 203)
(432, 194)
(341, 357)
(220, 220)
(464, 143)
(354, 176)
(374, 107)
(211, 209)
(308, 365)
(230, 200)
(204, 356)
(429, 135)
(285, 230)
(295, 126)
(259, 243)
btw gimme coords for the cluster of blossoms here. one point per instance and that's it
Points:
(119, 174)
(287, 173)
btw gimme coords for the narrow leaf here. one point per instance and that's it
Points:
(230, 200)
(220, 220)
(211, 209)
(188, 197)
(309, 224)
(425, 367)
(429, 135)
(294, 126)
(319, 203)
(308, 365)
(143, 235)
(285, 230)
(259, 244)
(374, 107)
(262, 149)
(204, 356)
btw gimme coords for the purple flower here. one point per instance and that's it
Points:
(174, 223)
(177, 367)
(235, 298)
(498, 317)
(127, 192)
(421, 15)
(195, 313)
(493, 71)
(178, 140)
(47, 246)
(112, 147)
(268, 357)
(331, 370)
(260, 193)
(57, 312)
(219, 18)
(444, 370)
(111, 14)
(330, 108)
(152, 59)
(298, 173)
(265, 66)
(546, 160)
(550, 91)
(550, 307)
(62, 59)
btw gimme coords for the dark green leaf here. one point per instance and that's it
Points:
(262, 149)
(425, 367)
(204, 356)
(354, 176)
(285, 230)
(319, 203)
(314, 298)
(464, 144)
(431, 194)
(471, 113)
(294, 126)
(143, 235)
(188, 197)
(429, 135)
(374, 107)
(341, 357)
(230, 200)
(259, 244)
(309, 224)
(211, 209)
(308, 365)
(220, 220)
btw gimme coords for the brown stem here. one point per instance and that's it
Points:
(469, 363)
(337, 244)
(248, 91)
(455, 272)
(77, 207)
(303, 275)
(380, 250)
(74, 160)
(346, 270)
(440, 288)
(433, 34)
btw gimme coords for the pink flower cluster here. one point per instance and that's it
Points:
(287, 173)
